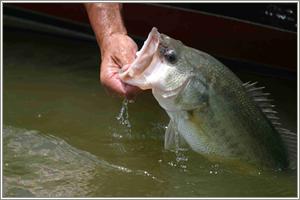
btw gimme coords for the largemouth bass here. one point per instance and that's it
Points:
(209, 107)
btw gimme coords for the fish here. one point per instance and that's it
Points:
(210, 109)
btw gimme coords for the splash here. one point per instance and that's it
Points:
(123, 116)
(181, 158)
(180, 152)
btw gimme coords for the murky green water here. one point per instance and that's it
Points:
(62, 139)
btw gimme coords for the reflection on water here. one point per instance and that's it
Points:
(79, 148)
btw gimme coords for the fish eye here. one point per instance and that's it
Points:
(170, 56)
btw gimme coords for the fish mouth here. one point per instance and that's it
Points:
(149, 71)
(144, 57)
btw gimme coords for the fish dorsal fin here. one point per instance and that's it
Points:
(264, 103)
(262, 100)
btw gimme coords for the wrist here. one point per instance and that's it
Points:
(112, 41)
(110, 37)
(111, 32)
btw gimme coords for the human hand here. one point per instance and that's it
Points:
(117, 50)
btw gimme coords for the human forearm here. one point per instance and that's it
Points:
(117, 48)
(106, 20)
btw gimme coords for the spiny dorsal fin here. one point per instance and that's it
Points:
(262, 100)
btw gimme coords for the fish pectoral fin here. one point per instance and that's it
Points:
(173, 140)
(170, 136)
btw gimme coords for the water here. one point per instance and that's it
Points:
(123, 116)
(62, 137)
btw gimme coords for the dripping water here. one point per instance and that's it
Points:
(123, 116)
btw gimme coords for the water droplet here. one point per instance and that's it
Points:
(172, 164)
(183, 166)
(123, 116)
(146, 173)
(131, 101)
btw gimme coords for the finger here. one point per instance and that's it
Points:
(109, 78)
(115, 86)
(131, 91)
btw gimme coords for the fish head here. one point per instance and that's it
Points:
(162, 65)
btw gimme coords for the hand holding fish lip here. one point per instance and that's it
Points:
(118, 50)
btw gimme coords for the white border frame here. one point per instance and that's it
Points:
(138, 1)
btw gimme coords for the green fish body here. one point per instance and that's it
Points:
(209, 107)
